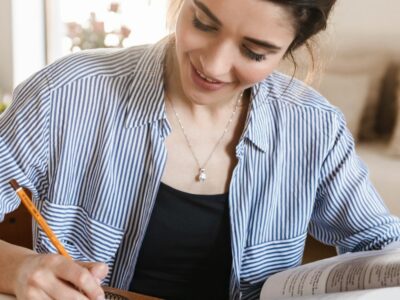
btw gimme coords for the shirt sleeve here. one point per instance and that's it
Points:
(393, 245)
(24, 141)
(348, 211)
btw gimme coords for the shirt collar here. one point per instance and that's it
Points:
(259, 120)
(146, 102)
(264, 118)
(146, 97)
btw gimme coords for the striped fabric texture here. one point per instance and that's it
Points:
(86, 135)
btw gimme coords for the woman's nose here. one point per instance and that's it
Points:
(217, 60)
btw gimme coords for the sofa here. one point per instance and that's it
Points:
(365, 86)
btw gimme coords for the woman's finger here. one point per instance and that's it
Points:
(43, 282)
(81, 278)
(33, 294)
(98, 270)
(60, 290)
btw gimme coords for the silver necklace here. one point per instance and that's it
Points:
(202, 175)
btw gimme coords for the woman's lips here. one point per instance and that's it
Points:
(205, 83)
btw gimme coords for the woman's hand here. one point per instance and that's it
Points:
(52, 276)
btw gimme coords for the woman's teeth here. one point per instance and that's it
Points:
(205, 77)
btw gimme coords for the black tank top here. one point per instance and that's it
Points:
(186, 252)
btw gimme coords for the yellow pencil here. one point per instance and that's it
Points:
(25, 199)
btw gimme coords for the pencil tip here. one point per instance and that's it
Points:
(14, 184)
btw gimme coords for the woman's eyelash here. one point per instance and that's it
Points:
(252, 55)
(198, 24)
(249, 53)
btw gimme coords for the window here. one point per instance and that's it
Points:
(73, 25)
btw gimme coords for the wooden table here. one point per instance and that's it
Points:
(127, 295)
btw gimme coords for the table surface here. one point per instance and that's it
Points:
(128, 295)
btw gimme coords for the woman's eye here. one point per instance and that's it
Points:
(200, 25)
(252, 55)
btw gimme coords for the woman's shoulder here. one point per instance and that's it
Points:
(92, 63)
(84, 68)
(285, 89)
(285, 95)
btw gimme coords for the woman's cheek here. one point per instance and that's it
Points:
(191, 39)
(252, 72)
(254, 75)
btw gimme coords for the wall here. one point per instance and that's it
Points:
(22, 50)
(6, 69)
(369, 24)
(28, 38)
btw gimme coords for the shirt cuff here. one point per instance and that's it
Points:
(393, 245)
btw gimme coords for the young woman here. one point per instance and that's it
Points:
(189, 169)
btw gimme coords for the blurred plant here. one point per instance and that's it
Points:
(2, 107)
(5, 100)
(94, 35)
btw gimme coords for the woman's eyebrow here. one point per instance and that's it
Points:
(264, 44)
(205, 9)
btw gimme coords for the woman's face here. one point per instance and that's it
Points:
(226, 46)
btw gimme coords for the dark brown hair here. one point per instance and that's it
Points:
(309, 18)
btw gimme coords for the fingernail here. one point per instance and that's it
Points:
(100, 298)
(98, 281)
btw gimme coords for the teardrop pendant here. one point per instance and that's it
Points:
(202, 175)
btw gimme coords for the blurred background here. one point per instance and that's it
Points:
(360, 59)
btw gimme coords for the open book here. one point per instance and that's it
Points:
(360, 275)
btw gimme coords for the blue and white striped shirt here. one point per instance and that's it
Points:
(87, 136)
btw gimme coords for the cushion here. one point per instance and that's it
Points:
(383, 172)
(386, 110)
(349, 92)
(352, 62)
(394, 147)
(375, 64)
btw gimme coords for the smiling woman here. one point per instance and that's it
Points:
(191, 167)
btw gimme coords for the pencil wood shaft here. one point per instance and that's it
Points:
(27, 202)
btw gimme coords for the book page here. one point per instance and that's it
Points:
(391, 293)
(347, 272)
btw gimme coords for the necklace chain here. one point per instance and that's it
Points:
(202, 176)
